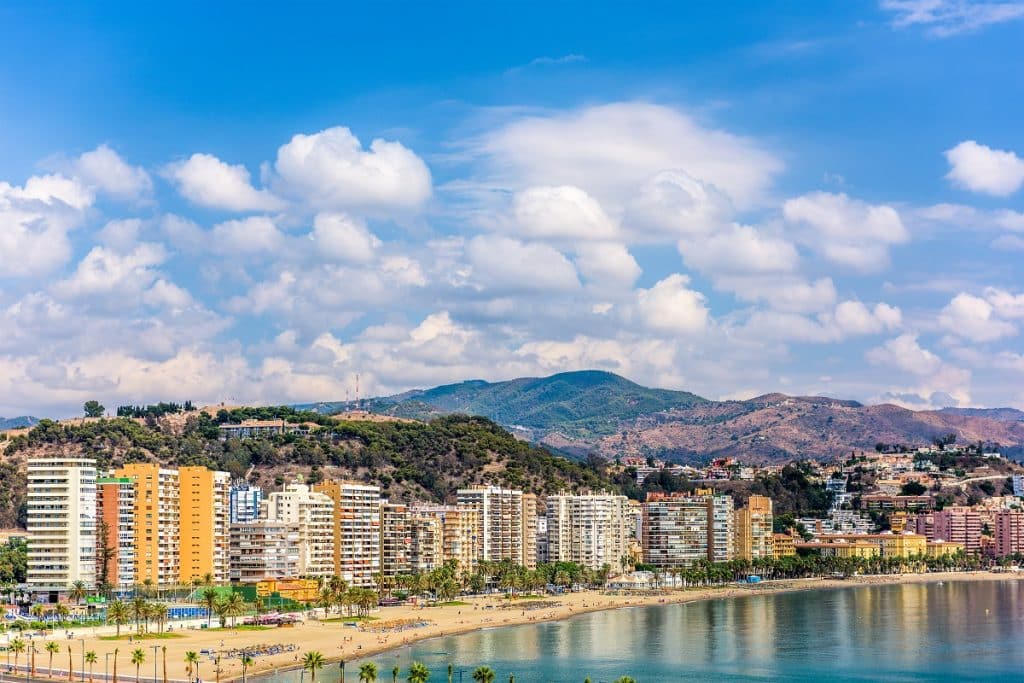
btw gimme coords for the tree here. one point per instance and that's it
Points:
(312, 662)
(90, 659)
(210, 600)
(483, 674)
(234, 607)
(247, 661)
(163, 651)
(368, 673)
(191, 663)
(913, 488)
(394, 674)
(51, 648)
(93, 409)
(118, 612)
(17, 646)
(138, 659)
(78, 591)
(624, 679)
(71, 666)
(116, 650)
(418, 673)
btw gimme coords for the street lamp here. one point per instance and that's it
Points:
(106, 666)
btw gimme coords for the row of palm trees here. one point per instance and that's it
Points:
(138, 657)
(313, 661)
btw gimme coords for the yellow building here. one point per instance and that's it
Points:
(299, 590)
(941, 548)
(902, 545)
(782, 546)
(156, 524)
(754, 537)
(204, 524)
(898, 522)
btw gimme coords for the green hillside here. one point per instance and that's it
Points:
(408, 460)
(582, 403)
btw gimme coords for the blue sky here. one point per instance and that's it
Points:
(257, 203)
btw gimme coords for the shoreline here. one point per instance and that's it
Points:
(335, 641)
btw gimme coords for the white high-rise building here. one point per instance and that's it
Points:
(263, 549)
(61, 523)
(314, 514)
(590, 529)
(506, 523)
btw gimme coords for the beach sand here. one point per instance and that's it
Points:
(336, 641)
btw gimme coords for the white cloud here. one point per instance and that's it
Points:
(165, 294)
(1005, 304)
(206, 180)
(611, 150)
(35, 220)
(846, 231)
(739, 249)
(673, 204)
(974, 318)
(105, 170)
(103, 271)
(904, 353)
(253, 235)
(670, 306)
(506, 264)
(781, 291)
(979, 168)
(853, 317)
(607, 264)
(945, 18)
(343, 237)
(330, 170)
(563, 212)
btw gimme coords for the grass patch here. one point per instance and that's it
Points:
(144, 636)
(450, 603)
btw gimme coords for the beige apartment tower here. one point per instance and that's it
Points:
(313, 513)
(591, 529)
(754, 534)
(356, 530)
(506, 524)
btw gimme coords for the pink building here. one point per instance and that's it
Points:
(959, 525)
(1009, 528)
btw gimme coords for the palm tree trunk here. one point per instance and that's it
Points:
(165, 663)
(115, 667)
(71, 665)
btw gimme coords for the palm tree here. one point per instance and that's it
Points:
(210, 599)
(158, 612)
(234, 607)
(62, 612)
(450, 672)
(418, 673)
(191, 660)
(17, 647)
(90, 659)
(625, 679)
(483, 674)
(368, 673)
(163, 651)
(247, 661)
(78, 591)
(139, 608)
(118, 612)
(138, 659)
(116, 650)
(51, 648)
(312, 662)
(71, 665)
(394, 674)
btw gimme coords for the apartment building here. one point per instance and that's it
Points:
(754, 533)
(356, 530)
(958, 525)
(115, 532)
(314, 514)
(426, 540)
(459, 527)
(61, 510)
(204, 523)
(1009, 532)
(156, 523)
(506, 523)
(680, 529)
(395, 540)
(590, 529)
(261, 550)
(244, 503)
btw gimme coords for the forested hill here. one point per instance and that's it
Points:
(583, 404)
(409, 460)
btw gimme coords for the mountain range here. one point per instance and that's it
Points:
(591, 411)
(17, 422)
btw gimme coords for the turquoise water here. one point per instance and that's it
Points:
(957, 631)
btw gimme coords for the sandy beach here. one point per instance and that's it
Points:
(398, 626)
